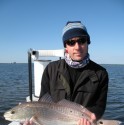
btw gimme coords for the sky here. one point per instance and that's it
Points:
(38, 24)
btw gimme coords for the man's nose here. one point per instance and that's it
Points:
(77, 45)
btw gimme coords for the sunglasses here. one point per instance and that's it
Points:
(80, 41)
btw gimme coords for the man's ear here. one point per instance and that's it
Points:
(66, 51)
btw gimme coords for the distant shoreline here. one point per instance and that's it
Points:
(32, 62)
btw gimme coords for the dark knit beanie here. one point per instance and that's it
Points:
(74, 29)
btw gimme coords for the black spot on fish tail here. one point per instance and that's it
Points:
(101, 122)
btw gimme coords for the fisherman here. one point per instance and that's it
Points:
(76, 77)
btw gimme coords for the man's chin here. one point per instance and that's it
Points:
(78, 59)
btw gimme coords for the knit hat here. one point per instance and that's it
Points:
(74, 29)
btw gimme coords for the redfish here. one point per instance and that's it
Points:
(46, 112)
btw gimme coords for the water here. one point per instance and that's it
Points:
(14, 89)
(115, 101)
(13, 86)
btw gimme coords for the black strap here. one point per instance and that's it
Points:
(65, 85)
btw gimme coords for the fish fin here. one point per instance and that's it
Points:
(70, 104)
(35, 119)
(76, 106)
(46, 98)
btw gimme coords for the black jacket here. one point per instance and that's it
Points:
(90, 90)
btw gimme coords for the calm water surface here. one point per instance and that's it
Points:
(14, 89)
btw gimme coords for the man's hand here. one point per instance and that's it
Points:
(27, 122)
(84, 121)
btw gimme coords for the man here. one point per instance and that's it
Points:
(76, 77)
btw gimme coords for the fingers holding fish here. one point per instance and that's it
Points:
(93, 117)
(89, 114)
(27, 122)
(84, 121)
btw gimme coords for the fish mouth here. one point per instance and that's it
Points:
(7, 117)
(10, 119)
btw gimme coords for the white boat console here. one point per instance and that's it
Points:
(40, 59)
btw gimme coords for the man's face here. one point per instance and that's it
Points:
(77, 48)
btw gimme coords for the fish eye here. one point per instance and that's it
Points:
(12, 112)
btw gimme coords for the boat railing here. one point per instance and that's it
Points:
(40, 59)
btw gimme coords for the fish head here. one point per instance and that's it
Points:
(108, 122)
(18, 113)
